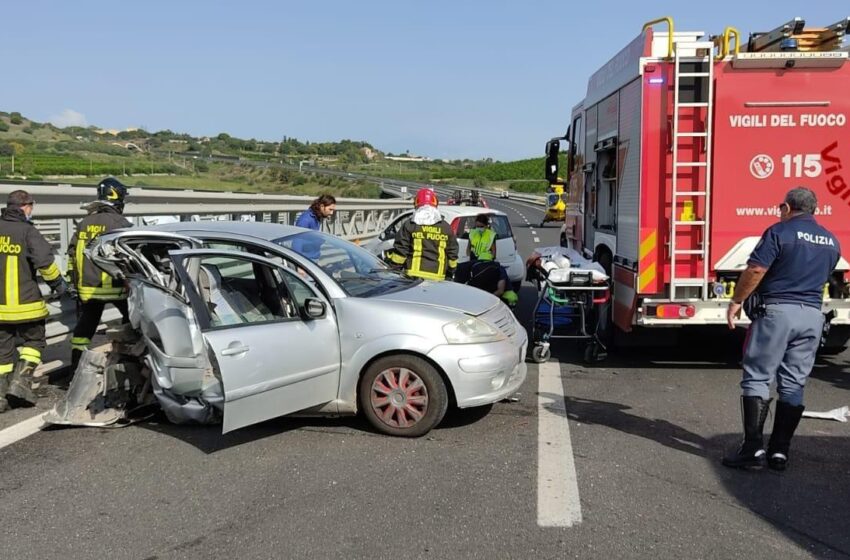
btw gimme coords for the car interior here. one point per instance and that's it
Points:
(235, 291)
(238, 292)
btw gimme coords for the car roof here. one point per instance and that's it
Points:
(260, 230)
(461, 211)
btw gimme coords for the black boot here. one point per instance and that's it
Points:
(786, 422)
(751, 453)
(4, 386)
(20, 384)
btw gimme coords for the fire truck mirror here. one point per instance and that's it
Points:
(553, 146)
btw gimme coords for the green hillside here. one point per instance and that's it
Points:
(41, 151)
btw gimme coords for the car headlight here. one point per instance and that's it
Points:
(471, 331)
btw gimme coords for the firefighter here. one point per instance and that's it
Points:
(426, 246)
(23, 251)
(785, 276)
(96, 288)
(482, 240)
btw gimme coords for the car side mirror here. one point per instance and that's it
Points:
(314, 308)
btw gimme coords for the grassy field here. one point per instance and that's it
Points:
(229, 178)
(521, 176)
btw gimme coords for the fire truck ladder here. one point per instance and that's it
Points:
(699, 52)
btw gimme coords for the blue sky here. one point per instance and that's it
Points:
(440, 78)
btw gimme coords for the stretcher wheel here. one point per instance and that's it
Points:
(540, 354)
(593, 353)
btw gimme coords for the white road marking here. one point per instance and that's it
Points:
(558, 503)
(533, 232)
(21, 430)
(537, 240)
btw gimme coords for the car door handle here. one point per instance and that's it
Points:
(234, 350)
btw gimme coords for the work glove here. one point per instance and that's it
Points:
(450, 274)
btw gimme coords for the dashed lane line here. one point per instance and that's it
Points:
(537, 240)
(558, 503)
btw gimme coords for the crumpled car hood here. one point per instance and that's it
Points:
(447, 295)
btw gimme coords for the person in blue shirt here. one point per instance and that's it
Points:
(784, 281)
(321, 209)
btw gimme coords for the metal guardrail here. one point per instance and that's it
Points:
(58, 206)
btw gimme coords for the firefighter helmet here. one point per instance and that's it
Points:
(425, 196)
(112, 192)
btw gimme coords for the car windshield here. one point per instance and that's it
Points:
(358, 272)
(498, 223)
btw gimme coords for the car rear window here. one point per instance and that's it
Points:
(500, 225)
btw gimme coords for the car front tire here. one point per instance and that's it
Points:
(403, 395)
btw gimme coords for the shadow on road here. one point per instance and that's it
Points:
(617, 417)
(209, 439)
(808, 503)
(834, 370)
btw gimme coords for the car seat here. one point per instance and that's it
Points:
(227, 306)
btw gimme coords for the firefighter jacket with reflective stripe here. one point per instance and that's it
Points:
(92, 282)
(481, 242)
(426, 251)
(23, 251)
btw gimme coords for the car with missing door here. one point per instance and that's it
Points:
(244, 322)
(462, 220)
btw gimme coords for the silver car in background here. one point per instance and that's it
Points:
(245, 322)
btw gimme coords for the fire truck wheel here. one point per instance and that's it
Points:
(836, 341)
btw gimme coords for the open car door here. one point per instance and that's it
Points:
(160, 310)
(273, 337)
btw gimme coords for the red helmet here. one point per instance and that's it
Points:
(425, 196)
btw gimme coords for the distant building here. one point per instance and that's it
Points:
(114, 131)
(407, 158)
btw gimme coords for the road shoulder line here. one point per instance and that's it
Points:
(21, 430)
(558, 503)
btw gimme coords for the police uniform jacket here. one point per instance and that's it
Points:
(426, 251)
(92, 282)
(23, 251)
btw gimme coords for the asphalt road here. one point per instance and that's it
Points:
(646, 430)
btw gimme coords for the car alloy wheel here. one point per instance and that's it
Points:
(399, 397)
(403, 395)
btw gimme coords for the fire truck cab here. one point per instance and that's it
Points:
(681, 152)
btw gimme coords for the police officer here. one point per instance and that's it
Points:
(425, 244)
(23, 251)
(95, 288)
(784, 282)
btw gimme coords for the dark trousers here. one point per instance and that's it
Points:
(33, 337)
(90, 314)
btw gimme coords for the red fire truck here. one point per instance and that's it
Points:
(681, 152)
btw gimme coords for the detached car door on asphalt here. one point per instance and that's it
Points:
(274, 338)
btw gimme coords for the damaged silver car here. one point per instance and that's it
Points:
(243, 322)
